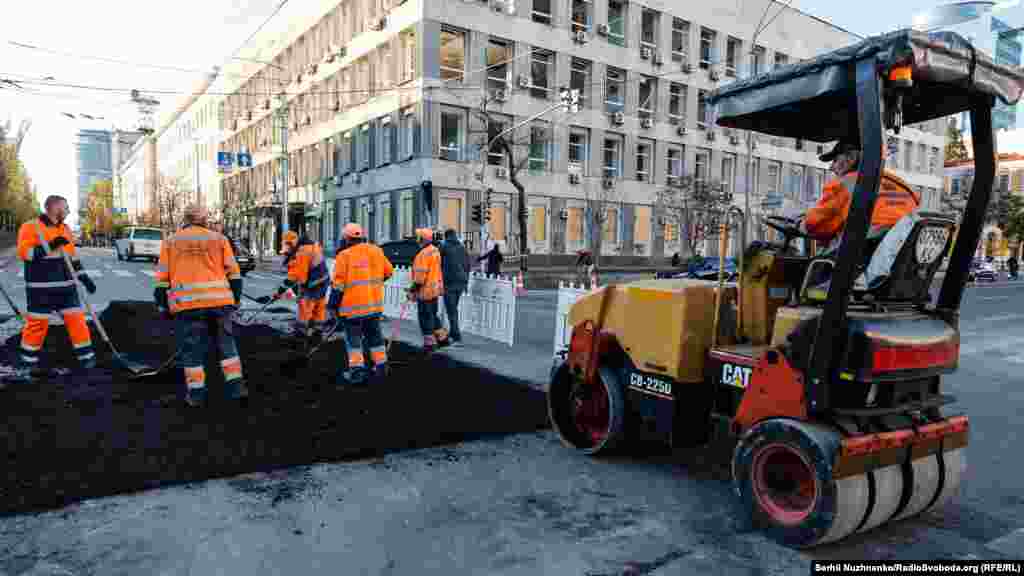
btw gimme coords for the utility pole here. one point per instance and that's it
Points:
(282, 117)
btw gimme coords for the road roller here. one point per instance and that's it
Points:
(830, 391)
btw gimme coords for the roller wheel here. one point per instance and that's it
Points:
(885, 486)
(589, 417)
(781, 473)
(954, 465)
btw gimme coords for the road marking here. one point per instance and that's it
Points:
(95, 273)
(123, 274)
(1006, 345)
(1010, 544)
(21, 274)
(149, 273)
(993, 298)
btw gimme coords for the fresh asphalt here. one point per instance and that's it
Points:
(523, 504)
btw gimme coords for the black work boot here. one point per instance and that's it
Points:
(236, 389)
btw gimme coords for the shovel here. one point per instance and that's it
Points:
(292, 366)
(12, 304)
(137, 369)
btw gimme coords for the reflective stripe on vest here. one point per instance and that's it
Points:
(46, 245)
(201, 296)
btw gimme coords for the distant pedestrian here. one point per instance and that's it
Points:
(494, 260)
(676, 261)
(1012, 263)
(455, 273)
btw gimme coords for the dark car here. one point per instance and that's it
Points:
(401, 252)
(246, 262)
(704, 269)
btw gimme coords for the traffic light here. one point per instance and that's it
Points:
(487, 210)
(478, 214)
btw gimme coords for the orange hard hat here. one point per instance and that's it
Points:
(352, 230)
(290, 237)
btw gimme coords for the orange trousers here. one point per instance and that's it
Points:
(36, 327)
(312, 310)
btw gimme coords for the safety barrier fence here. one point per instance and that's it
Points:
(486, 309)
(568, 294)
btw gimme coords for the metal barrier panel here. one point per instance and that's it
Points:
(487, 308)
(568, 294)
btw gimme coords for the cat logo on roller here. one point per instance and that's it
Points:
(738, 376)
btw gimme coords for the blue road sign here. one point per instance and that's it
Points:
(244, 160)
(225, 161)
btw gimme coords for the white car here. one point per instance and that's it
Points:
(139, 242)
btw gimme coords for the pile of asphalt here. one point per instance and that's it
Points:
(81, 436)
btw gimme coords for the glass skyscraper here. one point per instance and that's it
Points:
(94, 162)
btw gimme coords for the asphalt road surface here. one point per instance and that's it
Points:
(523, 504)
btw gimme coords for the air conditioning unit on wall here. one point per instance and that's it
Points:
(574, 178)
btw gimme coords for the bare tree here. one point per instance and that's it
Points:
(696, 208)
(170, 203)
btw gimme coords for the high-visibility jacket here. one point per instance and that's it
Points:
(360, 272)
(826, 220)
(49, 285)
(307, 271)
(195, 266)
(426, 273)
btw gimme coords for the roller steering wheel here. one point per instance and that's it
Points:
(788, 227)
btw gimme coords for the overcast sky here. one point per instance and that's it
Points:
(195, 35)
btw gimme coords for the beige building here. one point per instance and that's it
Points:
(383, 95)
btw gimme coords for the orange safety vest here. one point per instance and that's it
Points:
(308, 270)
(360, 272)
(426, 272)
(827, 219)
(195, 266)
(47, 280)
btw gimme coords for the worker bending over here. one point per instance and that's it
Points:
(198, 280)
(308, 276)
(49, 287)
(427, 287)
(360, 271)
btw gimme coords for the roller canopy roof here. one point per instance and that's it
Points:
(815, 100)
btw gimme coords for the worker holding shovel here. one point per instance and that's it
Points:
(50, 287)
(307, 275)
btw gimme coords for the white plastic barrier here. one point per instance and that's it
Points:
(487, 308)
(568, 294)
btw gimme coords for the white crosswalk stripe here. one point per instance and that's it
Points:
(21, 274)
(94, 273)
(149, 273)
(123, 273)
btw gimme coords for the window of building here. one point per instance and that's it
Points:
(382, 77)
(451, 213)
(539, 148)
(387, 139)
(674, 162)
(796, 175)
(614, 88)
(410, 125)
(540, 73)
(781, 59)
(642, 225)
(648, 97)
(644, 148)
(733, 49)
(617, 22)
(451, 135)
(610, 230)
(707, 47)
(541, 11)
(579, 79)
(499, 53)
(613, 156)
(729, 173)
(701, 165)
(364, 147)
(538, 223)
(578, 149)
(680, 39)
(933, 161)
(676, 101)
(703, 112)
(771, 188)
(406, 214)
(362, 80)
(496, 154)
(908, 155)
(758, 60)
(453, 54)
(580, 15)
(922, 158)
(574, 226)
(384, 220)
(649, 29)
(1004, 182)
(499, 219)
(408, 41)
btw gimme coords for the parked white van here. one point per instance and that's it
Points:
(139, 242)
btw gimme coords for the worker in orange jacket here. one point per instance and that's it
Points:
(827, 219)
(307, 275)
(357, 298)
(50, 288)
(427, 287)
(199, 282)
